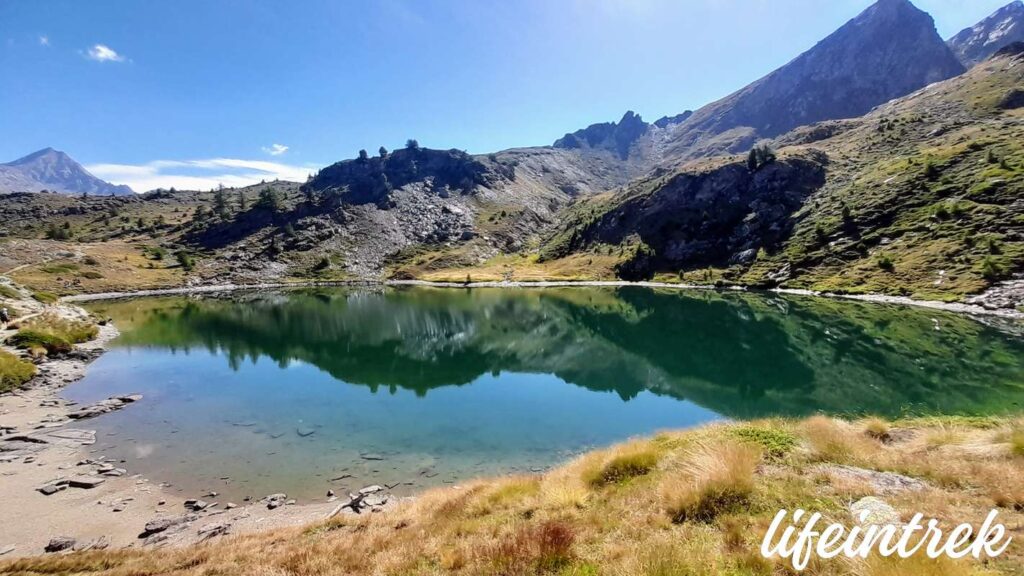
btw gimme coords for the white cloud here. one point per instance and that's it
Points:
(275, 149)
(44, 40)
(101, 53)
(198, 174)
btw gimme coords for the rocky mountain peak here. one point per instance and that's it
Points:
(55, 171)
(887, 51)
(617, 137)
(1003, 27)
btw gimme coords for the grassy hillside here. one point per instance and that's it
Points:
(921, 197)
(680, 503)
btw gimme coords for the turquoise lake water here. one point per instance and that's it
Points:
(248, 394)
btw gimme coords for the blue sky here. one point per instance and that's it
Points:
(194, 92)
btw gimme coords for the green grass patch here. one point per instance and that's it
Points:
(1017, 442)
(29, 339)
(14, 371)
(623, 467)
(53, 334)
(775, 441)
(978, 422)
(64, 268)
(9, 292)
(45, 297)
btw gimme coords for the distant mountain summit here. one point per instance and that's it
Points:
(54, 171)
(1005, 26)
(889, 50)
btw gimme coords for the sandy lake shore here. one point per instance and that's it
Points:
(60, 491)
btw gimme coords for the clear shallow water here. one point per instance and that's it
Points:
(250, 394)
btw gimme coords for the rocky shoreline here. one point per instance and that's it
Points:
(62, 495)
(999, 301)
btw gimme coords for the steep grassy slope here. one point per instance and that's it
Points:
(920, 197)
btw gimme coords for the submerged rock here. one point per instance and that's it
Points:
(104, 406)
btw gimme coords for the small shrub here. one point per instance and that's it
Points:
(715, 479)
(91, 275)
(14, 371)
(885, 262)
(629, 464)
(90, 261)
(992, 270)
(323, 264)
(185, 260)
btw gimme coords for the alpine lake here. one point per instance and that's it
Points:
(305, 390)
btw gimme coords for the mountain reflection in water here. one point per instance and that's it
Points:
(740, 355)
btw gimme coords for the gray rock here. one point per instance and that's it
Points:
(304, 431)
(104, 406)
(101, 543)
(86, 482)
(161, 524)
(875, 511)
(51, 489)
(275, 500)
(883, 482)
(212, 530)
(60, 543)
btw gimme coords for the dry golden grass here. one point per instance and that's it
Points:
(702, 505)
(112, 266)
(1017, 441)
(712, 479)
(945, 435)
(836, 441)
(876, 428)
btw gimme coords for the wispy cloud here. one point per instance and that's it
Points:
(275, 149)
(101, 53)
(198, 174)
(44, 40)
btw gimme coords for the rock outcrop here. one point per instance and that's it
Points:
(714, 217)
(617, 137)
